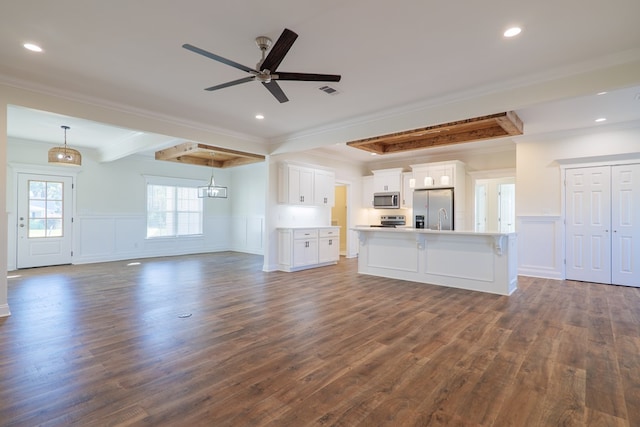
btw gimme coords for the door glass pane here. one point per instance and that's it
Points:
(54, 191)
(36, 227)
(37, 209)
(45, 209)
(54, 209)
(37, 190)
(54, 228)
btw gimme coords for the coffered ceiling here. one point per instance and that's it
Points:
(404, 65)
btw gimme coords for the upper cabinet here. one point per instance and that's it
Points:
(367, 191)
(407, 190)
(324, 187)
(301, 185)
(386, 180)
(439, 174)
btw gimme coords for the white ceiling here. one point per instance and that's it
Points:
(395, 58)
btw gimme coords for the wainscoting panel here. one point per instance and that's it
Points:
(247, 234)
(540, 246)
(101, 238)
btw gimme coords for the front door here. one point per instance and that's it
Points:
(45, 206)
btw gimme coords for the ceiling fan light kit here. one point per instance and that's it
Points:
(265, 71)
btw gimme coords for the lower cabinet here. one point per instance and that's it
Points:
(302, 248)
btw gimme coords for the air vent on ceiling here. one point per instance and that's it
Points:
(329, 90)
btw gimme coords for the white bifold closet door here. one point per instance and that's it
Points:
(603, 224)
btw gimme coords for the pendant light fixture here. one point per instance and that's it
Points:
(65, 155)
(212, 190)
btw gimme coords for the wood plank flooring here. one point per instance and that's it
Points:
(108, 345)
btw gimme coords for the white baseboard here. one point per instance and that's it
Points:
(4, 310)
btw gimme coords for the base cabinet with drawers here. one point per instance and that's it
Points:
(302, 248)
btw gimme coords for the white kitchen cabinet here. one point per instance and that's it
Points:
(301, 185)
(407, 190)
(305, 251)
(439, 174)
(324, 187)
(367, 191)
(302, 248)
(329, 245)
(387, 180)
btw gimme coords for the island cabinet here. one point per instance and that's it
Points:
(485, 262)
(302, 185)
(302, 248)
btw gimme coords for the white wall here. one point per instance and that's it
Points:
(110, 206)
(539, 189)
(4, 305)
(249, 186)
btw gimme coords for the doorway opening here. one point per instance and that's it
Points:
(339, 216)
(495, 205)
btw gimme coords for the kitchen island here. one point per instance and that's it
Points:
(470, 260)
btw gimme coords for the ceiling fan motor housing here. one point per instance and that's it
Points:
(263, 42)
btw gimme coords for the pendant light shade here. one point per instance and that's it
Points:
(65, 155)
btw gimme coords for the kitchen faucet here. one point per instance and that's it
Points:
(442, 212)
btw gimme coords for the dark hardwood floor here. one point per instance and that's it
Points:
(212, 340)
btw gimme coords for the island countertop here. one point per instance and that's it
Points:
(479, 261)
(402, 229)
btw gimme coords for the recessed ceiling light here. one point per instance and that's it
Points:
(601, 119)
(374, 154)
(512, 32)
(601, 93)
(133, 263)
(32, 47)
(259, 117)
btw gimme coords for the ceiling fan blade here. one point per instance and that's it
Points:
(232, 83)
(276, 91)
(217, 58)
(279, 50)
(307, 77)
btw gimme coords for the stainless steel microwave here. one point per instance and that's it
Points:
(389, 200)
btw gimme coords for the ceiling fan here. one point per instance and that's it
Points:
(265, 71)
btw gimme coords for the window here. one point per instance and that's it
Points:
(173, 211)
(45, 209)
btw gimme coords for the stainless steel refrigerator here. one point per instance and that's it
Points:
(433, 208)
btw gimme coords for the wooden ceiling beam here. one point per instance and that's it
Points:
(461, 131)
(194, 153)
